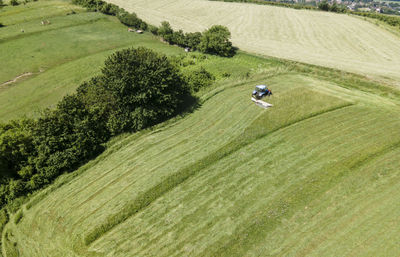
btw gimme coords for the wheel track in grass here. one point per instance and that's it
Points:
(339, 226)
(270, 223)
(136, 157)
(340, 229)
(261, 152)
(144, 148)
(146, 198)
(59, 203)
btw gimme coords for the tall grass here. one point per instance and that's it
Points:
(18, 216)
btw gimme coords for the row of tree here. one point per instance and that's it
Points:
(215, 40)
(137, 88)
(212, 41)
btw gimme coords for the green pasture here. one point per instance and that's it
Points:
(58, 56)
(317, 174)
(36, 11)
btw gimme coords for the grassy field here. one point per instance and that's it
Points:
(315, 175)
(326, 39)
(56, 57)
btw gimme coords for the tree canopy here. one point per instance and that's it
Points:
(216, 41)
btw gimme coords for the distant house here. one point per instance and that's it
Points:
(187, 49)
(139, 31)
(131, 30)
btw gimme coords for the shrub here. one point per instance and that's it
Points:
(16, 188)
(193, 40)
(131, 19)
(153, 29)
(3, 219)
(66, 137)
(323, 5)
(16, 145)
(18, 216)
(178, 38)
(165, 31)
(199, 78)
(216, 41)
(14, 2)
(109, 9)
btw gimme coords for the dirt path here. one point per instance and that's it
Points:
(26, 74)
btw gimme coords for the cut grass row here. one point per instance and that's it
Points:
(307, 105)
(64, 72)
(141, 164)
(327, 39)
(241, 204)
(315, 175)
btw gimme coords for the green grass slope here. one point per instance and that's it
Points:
(316, 175)
(326, 39)
(58, 56)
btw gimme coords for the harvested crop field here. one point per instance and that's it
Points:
(315, 175)
(327, 39)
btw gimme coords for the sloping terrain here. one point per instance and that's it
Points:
(326, 39)
(59, 56)
(314, 175)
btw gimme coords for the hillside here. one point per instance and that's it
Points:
(316, 172)
(326, 39)
(315, 175)
(56, 57)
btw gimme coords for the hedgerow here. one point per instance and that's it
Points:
(219, 35)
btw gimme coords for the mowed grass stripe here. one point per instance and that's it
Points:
(348, 161)
(68, 209)
(327, 39)
(210, 189)
(216, 102)
(373, 201)
(153, 168)
(228, 188)
(172, 181)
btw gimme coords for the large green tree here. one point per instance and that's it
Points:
(216, 41)
(146, 87)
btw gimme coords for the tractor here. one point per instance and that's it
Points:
(259, 93)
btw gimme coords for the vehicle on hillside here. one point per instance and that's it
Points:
(259, 93)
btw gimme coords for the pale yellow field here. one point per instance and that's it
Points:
(326, 39)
